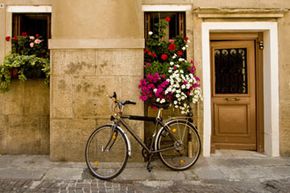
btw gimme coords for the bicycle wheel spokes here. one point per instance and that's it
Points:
(185, 140)
(106, 152)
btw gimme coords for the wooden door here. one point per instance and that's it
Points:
(233, 95)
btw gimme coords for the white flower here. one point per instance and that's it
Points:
(174, 56)
(162, 101)
(183, 48)
(175, 102)
(155, 90)
(32, 37)
(181, 59)
(171, 63)
(150, 33)
(183, 86)
(158, 99)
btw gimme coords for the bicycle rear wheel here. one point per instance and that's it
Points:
(179, 144)
(106, 152)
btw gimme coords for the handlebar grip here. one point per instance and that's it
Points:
(114, 95)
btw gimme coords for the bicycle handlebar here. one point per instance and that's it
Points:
(120, 104)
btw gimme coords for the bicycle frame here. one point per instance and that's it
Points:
(157, 121)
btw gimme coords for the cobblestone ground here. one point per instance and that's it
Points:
(98, 186)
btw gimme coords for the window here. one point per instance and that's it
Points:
(32, 23)
(176, 25)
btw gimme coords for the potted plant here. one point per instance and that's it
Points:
(29, 59)
(168, 76)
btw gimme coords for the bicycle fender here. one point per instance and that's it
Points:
(127, 140)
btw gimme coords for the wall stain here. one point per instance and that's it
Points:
(102, 66)
(83, 87)
(100, 91)
(75, 67)
(61, 85)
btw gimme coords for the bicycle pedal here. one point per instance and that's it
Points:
(149, 168)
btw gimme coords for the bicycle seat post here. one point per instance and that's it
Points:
(159, 115)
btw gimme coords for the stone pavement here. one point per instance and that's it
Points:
(225, 171)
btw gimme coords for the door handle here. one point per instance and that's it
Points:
(232, 99)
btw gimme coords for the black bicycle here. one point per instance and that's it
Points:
(107, 150)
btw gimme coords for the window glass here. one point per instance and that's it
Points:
(176, 24)
(32, 23)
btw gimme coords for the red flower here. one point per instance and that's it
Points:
(179, 53)
(164, 57)
(7, 38)
(186, 38)
(24, 34)
(154, 55)
(167, 19)
(171, 47)
(37, 35)
(15, 38)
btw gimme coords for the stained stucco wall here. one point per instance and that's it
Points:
(97, 48)
(24, 118)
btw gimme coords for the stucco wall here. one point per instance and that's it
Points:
(82, 81)
(284, 72)
(24, 118)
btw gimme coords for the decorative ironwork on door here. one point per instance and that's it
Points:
(231, 75)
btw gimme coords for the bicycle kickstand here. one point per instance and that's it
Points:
(149, 166)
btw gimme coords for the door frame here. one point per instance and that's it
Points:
(256, 38)
(270, 80)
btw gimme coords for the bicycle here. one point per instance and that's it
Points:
(107, 150)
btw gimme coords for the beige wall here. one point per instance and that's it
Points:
(95, 19)
(284, 72)
(224, 3)
(93, 54)
(24, 118)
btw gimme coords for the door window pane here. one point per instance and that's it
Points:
(231, 71)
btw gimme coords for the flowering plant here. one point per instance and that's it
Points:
(169, 77)
(29, 59)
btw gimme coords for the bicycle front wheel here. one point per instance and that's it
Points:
(106, 152)
(179, 144)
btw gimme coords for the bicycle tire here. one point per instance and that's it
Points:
(184, 147)
(106, 152)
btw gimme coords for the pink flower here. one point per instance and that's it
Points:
(171, 41)
(31, 44)
(164, 57)
(143, 98)
(37, 41)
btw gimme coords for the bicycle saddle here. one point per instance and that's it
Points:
(159, 105)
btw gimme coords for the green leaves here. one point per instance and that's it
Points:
(25, 66)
